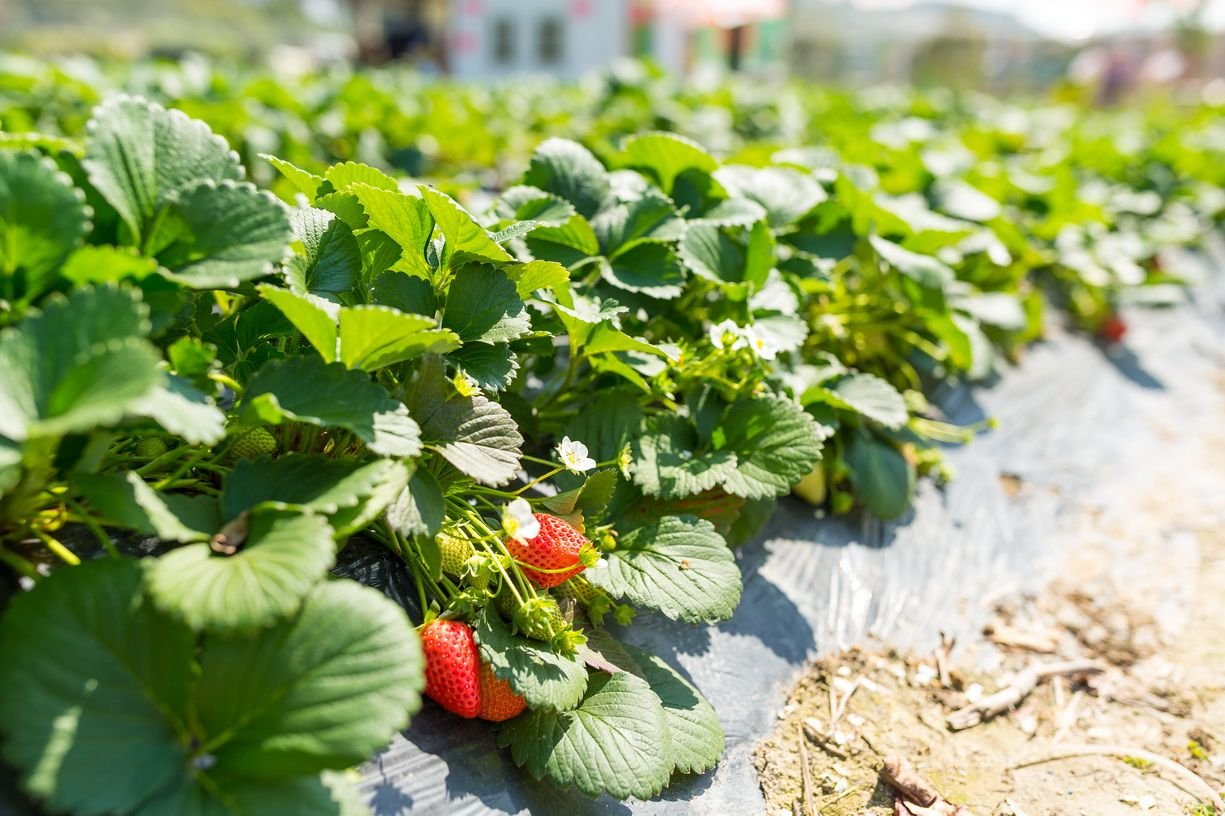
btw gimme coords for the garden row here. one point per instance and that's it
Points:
(566, 407)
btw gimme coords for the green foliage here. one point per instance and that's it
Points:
(687, 333)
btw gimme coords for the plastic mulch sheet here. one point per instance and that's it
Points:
(1072, 417)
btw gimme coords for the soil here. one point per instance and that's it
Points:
(1141, 591)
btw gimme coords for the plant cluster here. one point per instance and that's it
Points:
(555, 412)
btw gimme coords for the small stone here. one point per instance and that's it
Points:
(974, 692)
(923, 675)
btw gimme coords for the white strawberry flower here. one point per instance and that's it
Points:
(763, 347)
(518, 522)
(726, 335)
(573, 455)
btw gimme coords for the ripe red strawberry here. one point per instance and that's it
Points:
(1113, 328)
(452, 666)
(498, 700)
(556, 547)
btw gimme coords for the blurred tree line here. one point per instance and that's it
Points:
(166, 27)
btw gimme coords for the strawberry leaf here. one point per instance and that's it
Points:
(665, 156)
(54, 382)
(666, 464)
(128, 501)
(140, 155)
(330, 262)
(568, 169)
(172, 724)
(881, 475)
(218, 234)
(693, 727)
(775, 443)
(544, 678)
(322, 484)
(466, 239)
(864, 394)
(44, 218)
(475, 434)
(678, 565)
(307, 390)
(614, 742)
(285, 553)
(483, 305)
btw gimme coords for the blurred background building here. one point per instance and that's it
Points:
(1001, 45)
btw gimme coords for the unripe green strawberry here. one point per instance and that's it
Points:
(540, 618)
(812, 487)
(150, 448)
(578, 588)
(256, 442)
(455, 552)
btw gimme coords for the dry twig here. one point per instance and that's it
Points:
(1011, 695)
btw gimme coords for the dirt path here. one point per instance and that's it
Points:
(1141, 592)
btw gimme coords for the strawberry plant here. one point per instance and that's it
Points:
(565, 405)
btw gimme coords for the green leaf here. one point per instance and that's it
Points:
(568, 169)
(218, 234)
(314, 317)
(649, 268)
(54, 382)
(139, 155)
(325, 693)
(677, 565)
(693, 727)
(476, 435)
(43, 218)
(607, 431)
(261, 713)
(591, 497)
(322, 484)
(535, 275)
(106, 264)
(285, 553)
(466, 239)
(306, 183)
(308, 390)
(184, 411)
(924, 269)
(786, 194)
(710, 253)
(998, 309)
(402, 291)
(128, 501)
(522, 203)
(419, 509)
(864, 394)
(483, 304)
(615, 742)
(94, 690)
(776, 444)
(568, 244)
(330, 263)
(667, 462)
(544, 678)
(346, 175)
(493, 367)
(372, 337)
(665, 156)
(404, 218)
(882, 478)
(651, 217)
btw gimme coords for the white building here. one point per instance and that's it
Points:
(489, 39)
